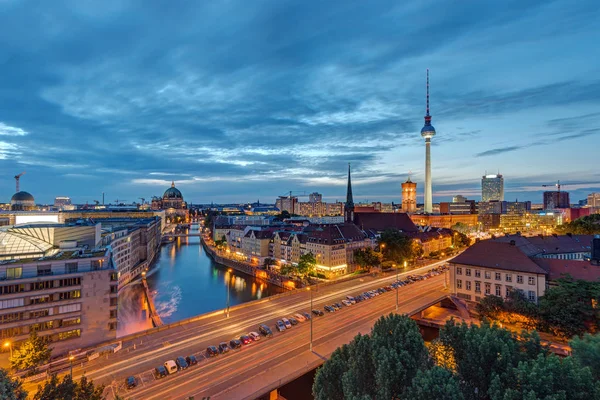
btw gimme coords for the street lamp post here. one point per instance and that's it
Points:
(71, 358)
(9, 345)
(311, 318)
(228, 284)
(396, 287)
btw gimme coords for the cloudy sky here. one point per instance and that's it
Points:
(245, 100)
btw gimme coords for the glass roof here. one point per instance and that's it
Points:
(17, 245)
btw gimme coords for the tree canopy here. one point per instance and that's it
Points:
(588, 225)
(367, 258)
(11, 389)
(31, 353)
(67, 388)
(398, 247)
(586, 350)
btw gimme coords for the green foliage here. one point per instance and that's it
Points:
(567, 309)
(269, 261)
(11, 389)
(31, 353)
(461, 240)
(490, 307)
(586, 351)
(67, 388)
(367, 258)
(398, 247)
(461, 228)
(588, 225)
(209, 220)
(381, 365)
(436, 383)
(283, 215)
(306, 265)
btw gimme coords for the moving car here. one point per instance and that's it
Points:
(254, 336)
(171, 366)
(191, 360)
(265, 330)
(299, 317)
(287, 323)
(245, 339)
(235, 343)
(223, 347)
(293, 321)
(281, 326)
(212, 351)
(181, 363)
(130, 382)
(160, 372)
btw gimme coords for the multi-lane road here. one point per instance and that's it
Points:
(260, 366)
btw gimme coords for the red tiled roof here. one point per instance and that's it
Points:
(493, 254)
(578, 269)
(382, 221)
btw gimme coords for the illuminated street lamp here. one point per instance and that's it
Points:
(9, 345)
(397, 278)
(227, 278)
(71, 358)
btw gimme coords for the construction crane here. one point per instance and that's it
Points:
(97, 202)
(557, 185)
(17, 177)
(117, 201)
(143, 200)
(292, 193)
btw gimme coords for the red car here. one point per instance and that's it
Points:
(245, 339)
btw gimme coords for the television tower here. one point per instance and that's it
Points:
(428, 132)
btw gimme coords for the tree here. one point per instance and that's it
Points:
(461, 227)
(586, 351)
(461, 240)
(398, 247)
(269, 261)
(588, 225)
(367, 258)
(490, 307)
(328, 379)
(306, 264)
(69, 389)
(285, 214)
(31, 353)
(11, 389)
(436, 383)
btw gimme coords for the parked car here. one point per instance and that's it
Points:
(254, 336)
(306, 315)
(160, 372)
(265, 330)
(171, 366)
(181, 363)
(299, 317)
(235, 343)
(223, 347)
(318, 312)
(280, 326)
(338, 305)
(347, 303)
(329, 309)
(212, 351)
(130, 382)
(245, 339)
(293, 321)
(287, 323)
(191, 360)
(351, 299)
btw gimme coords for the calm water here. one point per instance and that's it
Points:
(185, 282)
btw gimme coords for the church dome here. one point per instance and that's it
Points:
(22, 197)
(172, 193)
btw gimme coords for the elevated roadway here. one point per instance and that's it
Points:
(262, 366)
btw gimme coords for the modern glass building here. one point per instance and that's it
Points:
(492, 188)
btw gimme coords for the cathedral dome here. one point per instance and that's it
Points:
(172, 193)
(22, 197)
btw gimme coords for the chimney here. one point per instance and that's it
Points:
(513, 243)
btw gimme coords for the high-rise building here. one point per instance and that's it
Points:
(62, 201)
(593, 200)
(315, 197)
(286, 203)
(349, 206)
(427, 132)
(409, 196)
(492, 188)
(553, 200)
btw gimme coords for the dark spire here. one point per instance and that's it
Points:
(428, 131)
(427, 116)
(349, 206)
(349, 199)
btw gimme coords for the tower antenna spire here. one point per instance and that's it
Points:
(427, 91)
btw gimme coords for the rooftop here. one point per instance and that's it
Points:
(577, 269)
(382, 221)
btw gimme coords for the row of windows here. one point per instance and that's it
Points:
(488, 289)
(44, 285)
(497, 275)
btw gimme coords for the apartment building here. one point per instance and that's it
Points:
(69, 298)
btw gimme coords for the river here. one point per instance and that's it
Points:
(185, 282)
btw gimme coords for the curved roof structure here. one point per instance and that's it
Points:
(17, 245)
(172, 193)
(22, 196)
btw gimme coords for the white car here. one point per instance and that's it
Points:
(287, 323)
(347, 303)
(351, 299)
(299, 317)
(254, 336)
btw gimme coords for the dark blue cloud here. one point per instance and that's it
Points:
(235, 100)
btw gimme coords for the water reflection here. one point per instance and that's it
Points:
(185, 282)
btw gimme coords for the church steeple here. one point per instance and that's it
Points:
(349, 206)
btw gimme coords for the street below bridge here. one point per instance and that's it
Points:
(260, 366)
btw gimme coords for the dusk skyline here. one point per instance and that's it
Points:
(241, 101)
